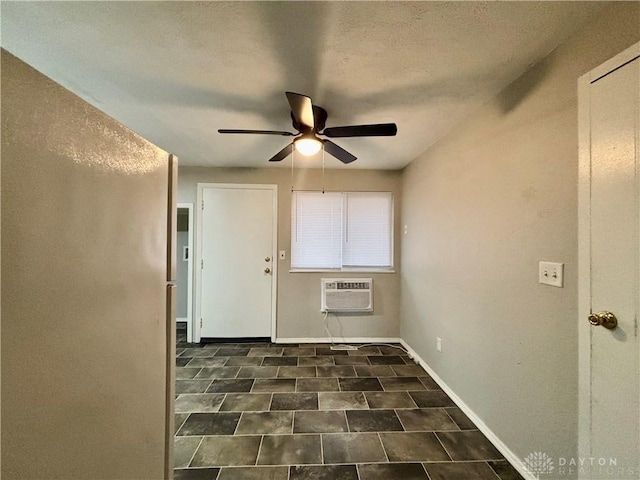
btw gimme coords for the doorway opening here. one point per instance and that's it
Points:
(184, 271)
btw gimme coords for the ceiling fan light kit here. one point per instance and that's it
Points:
(309, 120)
(307, 145)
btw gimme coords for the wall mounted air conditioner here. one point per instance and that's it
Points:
(346, 295)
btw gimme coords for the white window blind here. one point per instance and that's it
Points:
(316, 230)
(367, 234)
(347, 230)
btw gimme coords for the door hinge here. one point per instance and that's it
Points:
(200, 323)
(203, 204)
(201, 264)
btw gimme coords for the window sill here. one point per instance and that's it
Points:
(342, 270)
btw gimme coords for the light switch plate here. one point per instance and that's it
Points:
(282, 254)
(551, 273)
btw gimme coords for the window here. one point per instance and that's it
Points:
(342, 231)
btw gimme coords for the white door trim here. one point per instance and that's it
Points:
(198, 256)
(189, 318)
(584, 241)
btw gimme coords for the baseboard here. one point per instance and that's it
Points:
(493, 438)
(340, 340)
(235, 339)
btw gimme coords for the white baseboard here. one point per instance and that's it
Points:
(493, 438)
(340, 340)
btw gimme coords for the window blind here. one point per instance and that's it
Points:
(338, 230)
(316, 230)
(367, 230)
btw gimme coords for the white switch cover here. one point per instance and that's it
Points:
(283, 255)
(551, 273)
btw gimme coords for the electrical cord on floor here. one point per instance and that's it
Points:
(325, 321)
(399, 347)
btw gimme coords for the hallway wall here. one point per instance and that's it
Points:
(483, 206)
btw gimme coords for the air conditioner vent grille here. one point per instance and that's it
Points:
(347, 295)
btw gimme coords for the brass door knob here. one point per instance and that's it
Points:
(267, 259)
(267, 270)
(606, 319)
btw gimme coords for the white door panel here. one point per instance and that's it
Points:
(610, 266)
(237, 250)
(614, 264)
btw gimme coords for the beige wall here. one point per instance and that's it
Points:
(298, 308)
(84, 222)
(483, 206)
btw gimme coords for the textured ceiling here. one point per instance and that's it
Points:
(175, 72)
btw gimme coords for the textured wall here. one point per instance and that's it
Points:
(84, 222)
(483, 206)
(299, 293)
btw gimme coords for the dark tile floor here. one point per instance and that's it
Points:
(293, 412)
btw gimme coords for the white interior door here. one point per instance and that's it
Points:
(237, 247)
(610, 267)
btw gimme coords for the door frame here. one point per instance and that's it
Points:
(198, 257)
(584, 241)
(189, 317)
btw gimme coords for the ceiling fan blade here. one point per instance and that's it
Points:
(338, 152)
(377, 130)
(260, 132)
(282, 154)
(302, 109)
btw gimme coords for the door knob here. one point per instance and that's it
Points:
(267, 259)
(267, 270)
(606, 319)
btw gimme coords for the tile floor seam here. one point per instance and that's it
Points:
(238, 424)
(442, 444)
(195, 451)
(452, 419)
(209, 386)
(425, 471)
(182, 424)
(384, 449)
(259, 450)
(492, 470)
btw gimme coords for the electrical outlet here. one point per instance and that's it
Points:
(439, 344)
(550, 273)
(406, 229)
(282, 255)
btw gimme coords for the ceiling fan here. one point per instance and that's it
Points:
(309, 120)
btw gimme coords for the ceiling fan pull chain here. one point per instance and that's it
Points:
(293, 154)
(323, 169)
